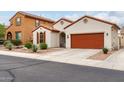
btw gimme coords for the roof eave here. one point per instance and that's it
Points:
(94, 19)
(31, 17)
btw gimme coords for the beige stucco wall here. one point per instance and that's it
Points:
(54, 39)
(92, 26)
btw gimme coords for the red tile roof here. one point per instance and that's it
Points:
(34, 16)
(51, 29)
(68, 20)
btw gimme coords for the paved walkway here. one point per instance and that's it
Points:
(115, 61)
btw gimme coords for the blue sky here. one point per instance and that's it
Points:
(117, 17)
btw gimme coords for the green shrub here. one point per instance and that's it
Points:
(28, 45)
(6, 42)
(16, 42)
(9, 46)
(34, 48)
(1, 41)
(105, 50)
(43, 46)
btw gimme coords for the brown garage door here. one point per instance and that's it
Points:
(94, 40)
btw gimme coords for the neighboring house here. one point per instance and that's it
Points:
(86, 32)
(22, 24)
(122, 37)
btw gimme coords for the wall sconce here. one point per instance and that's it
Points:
(67, 36)
(106, 34)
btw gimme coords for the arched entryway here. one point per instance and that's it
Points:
(9, 36)
(62, 39)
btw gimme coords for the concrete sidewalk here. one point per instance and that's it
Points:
(115, 61)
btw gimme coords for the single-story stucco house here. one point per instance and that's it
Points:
(87, 32)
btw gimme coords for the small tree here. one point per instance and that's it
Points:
(9, 45)
(2, 31)
(34, 48)
(6, 42)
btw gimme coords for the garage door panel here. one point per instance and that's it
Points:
(87, 40)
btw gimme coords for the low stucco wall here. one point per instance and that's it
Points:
(115, 40)
(122, 40)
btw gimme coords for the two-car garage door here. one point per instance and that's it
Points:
(92, 40)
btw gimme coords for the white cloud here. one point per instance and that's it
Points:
(73, 16)
(116, 17)
(113, 16)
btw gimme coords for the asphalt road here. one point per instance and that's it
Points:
(17, 69)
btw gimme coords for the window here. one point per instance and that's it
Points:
(18, 35)
(37, 23)
(42, 37)
(85, 21)
(18, 21)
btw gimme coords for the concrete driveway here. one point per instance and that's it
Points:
(71, 54)
(62, 55)
(76, 56)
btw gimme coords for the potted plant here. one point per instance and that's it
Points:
(105, 50)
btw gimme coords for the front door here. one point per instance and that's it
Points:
(62, 40)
